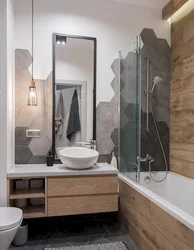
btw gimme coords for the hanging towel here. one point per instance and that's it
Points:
(60, 115)
(74, 119)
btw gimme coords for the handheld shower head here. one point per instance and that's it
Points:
(156, 80)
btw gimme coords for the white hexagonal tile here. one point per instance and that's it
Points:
(40, 146)
(24, 117)
(105, 145)
(23, 59)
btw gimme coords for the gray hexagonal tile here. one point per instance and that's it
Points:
(162, 128)
(144, 121)
(23, 155)
(105, 145)
(131, 62)
(24, 117)
(148, 51)
(131, 111)
(20, 136)
(162, 47)
(122, 84)
(114, 136)
(115, 66)
(105, 111)
(116, 151)
(104, 158)
(38, 160)
(121, 65)
(148, 36)
(147, 137)
(39, 146)
(148, 149)
(114, 85)
(23, 59)
(129, 152)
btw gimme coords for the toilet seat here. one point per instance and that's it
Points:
(10, 217)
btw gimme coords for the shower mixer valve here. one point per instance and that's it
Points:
(148, 158)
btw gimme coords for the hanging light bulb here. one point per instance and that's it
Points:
(32, 95)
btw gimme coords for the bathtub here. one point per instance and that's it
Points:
(158, 216)
(175, 194)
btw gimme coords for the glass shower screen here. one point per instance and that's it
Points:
(129, 108)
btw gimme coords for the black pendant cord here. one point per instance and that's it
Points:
(32, 40)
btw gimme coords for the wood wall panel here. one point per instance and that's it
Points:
(160, 232)
(182, 96)
(172, 7)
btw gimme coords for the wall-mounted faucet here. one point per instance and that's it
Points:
(148, 159)
(89, 144)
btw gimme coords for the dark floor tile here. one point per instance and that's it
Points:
(58, 237)
(98, 231)
(59, 245)
(17, 248)
(75, 229)
(112, 227)
(97, 241)
(115, 236)
(129, 243)
(38, 244)
(78, 240)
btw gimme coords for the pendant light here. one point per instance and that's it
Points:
(32, 95)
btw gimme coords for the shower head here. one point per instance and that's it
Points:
(156, 80)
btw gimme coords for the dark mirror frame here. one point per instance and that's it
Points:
(53, 79)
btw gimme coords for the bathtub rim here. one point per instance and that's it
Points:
(168, 207)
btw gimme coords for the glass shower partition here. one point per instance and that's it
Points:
(130, 110)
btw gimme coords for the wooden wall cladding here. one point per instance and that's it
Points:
(172, 7)
(182, 96)
(150, 226)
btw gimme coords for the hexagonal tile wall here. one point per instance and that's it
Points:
(157, 51)
(26, 117)
(107, 120)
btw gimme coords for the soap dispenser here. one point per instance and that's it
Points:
(49, 159)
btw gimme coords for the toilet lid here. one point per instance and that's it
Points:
(10, 217)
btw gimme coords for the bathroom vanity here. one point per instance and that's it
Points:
(63, 191)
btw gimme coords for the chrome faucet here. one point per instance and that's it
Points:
(90, 143)
(148, 159)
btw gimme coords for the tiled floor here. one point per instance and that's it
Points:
(78, 234)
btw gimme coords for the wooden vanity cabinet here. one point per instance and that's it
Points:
(68, 195)
(82, 195)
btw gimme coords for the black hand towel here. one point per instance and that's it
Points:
(74, 119)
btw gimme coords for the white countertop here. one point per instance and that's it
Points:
(41, 170)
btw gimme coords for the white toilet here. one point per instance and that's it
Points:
(10, 220)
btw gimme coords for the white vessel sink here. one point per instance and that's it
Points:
(78, 158)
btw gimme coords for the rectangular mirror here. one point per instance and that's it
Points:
(74, 90)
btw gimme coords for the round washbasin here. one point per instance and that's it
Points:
(78, 158)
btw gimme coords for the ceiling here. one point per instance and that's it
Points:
(159, 4)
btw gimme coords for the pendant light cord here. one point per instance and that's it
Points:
(32, 40)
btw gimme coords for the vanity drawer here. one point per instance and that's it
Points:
(86, 185)
(82, 204)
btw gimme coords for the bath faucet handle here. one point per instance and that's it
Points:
(148, 158)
